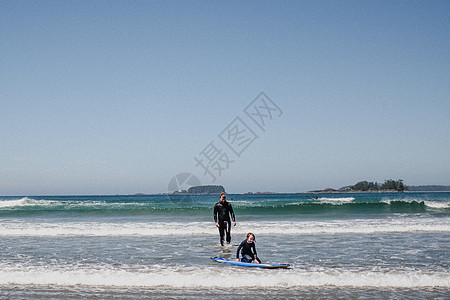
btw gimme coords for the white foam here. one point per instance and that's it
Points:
(428, 203)
(15, 203)
(406, 200)
(358, 226)
(30, 202)
(336, 200)
(214, 276)
(434, 204)
(328, 200)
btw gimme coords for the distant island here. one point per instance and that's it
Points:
(202, 190)
(388, 186)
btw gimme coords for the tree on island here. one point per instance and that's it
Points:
(392, 185)
(365, 186)
(396, 185)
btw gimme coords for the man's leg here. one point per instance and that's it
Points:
(222, 232)
(228, 228)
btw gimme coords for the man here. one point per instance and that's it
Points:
(222, 212)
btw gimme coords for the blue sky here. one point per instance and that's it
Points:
(118, 97)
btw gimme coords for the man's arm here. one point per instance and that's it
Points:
(216, 212)
(232, 214)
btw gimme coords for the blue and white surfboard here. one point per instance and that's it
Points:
(245, 264)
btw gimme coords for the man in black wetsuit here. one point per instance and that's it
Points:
(222, 212)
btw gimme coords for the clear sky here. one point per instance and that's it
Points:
(119, 97)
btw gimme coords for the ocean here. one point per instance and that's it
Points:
(355, 245)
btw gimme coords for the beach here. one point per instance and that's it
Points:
(377, 246)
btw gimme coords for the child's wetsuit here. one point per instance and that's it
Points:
(248, 252)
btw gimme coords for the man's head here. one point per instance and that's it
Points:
(223, 197)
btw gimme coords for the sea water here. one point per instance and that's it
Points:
(374, 246)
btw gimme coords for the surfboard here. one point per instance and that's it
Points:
(252, 265)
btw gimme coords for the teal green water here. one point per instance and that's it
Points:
(200, 206)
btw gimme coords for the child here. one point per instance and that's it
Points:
(248, 250)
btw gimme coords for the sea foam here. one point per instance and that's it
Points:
(359, 226)
(211, 276)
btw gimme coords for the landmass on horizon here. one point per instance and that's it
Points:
(360, 187)
(202, 190)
